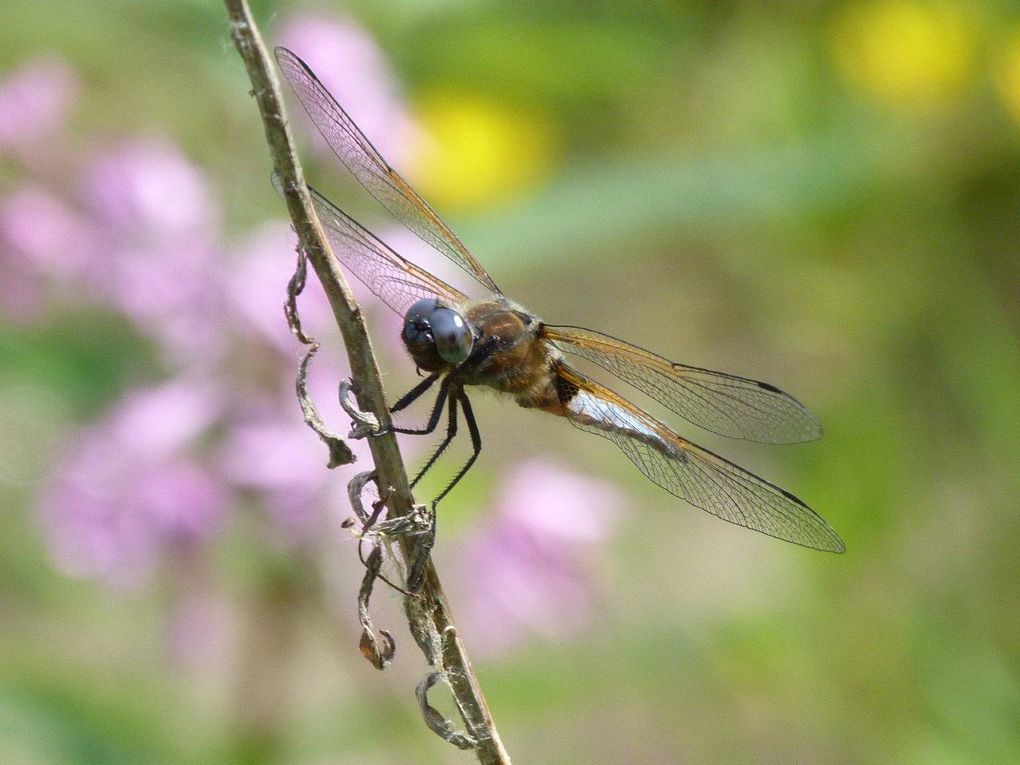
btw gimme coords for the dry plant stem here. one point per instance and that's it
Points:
(428, 614)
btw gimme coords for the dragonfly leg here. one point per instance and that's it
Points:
(416, 570)
(451, 431)
(427, 538)
(476, 445)
(415, 393)
(437, 408)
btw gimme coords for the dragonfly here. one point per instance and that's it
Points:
(458, 342)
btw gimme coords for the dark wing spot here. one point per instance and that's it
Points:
(565, 389)
(791, 497)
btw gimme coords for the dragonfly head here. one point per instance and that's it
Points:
(436, 336)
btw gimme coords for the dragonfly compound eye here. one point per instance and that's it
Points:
(417, 324)
(452, 335)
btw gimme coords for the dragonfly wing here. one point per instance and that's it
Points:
(691, 472)
(371, 170)
(396, 281)
(722, 403)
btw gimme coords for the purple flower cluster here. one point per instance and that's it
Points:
(135, 484)
(528, 568)
(136, 228)
(133, 226)
(34, 102)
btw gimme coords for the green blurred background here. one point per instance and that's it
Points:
(824, 195)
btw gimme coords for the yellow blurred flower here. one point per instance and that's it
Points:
(906, 52)
(477, 152)
(1008, 76)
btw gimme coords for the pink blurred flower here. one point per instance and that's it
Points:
(161, 262)
(157, 422)
(354, 69)
(41, 238)
(44, 231)
(149, 191)
(133, 488)
(261, 268)
(274, 454)
(144, 241)
(34, 101)
(284, 462)
(529, 568)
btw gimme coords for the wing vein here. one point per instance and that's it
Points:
(370, 168)
(722, 403)
(689, 471)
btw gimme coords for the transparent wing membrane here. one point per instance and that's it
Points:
(722, 403)
(690, 472)
(396, 281)
(371, 170)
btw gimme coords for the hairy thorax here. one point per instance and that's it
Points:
(515, 359)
